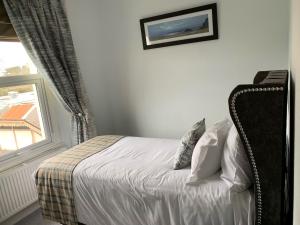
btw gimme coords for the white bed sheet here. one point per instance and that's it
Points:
(133, 183)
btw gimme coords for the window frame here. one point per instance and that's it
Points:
(38, 81)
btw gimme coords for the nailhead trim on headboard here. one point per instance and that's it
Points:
(248, 146)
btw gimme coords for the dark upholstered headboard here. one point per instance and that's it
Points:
(260, 114)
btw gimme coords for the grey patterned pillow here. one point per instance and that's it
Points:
(184, 152)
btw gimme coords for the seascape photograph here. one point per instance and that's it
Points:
(178, 28)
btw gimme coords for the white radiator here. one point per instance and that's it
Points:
(17, 190)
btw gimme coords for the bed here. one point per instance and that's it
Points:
(133, 182)
(130, 180)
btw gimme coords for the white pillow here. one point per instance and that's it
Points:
(235, 164)
(206, 158)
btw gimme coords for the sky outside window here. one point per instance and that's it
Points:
(14, 60)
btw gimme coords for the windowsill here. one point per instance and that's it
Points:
(45, 151)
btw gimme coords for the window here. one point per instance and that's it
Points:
(24, 121)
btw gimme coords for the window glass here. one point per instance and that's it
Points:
(21, 122)
(14, 60)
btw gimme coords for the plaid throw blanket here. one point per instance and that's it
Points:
(54, 179)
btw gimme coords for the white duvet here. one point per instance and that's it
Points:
(133, 183)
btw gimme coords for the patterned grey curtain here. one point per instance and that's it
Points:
(43, 28)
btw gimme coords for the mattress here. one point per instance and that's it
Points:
(132, 183)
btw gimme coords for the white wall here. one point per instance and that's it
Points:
(295, 70)
(162, 92)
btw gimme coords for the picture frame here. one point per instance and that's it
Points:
(180, 27)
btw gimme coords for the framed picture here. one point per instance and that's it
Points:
(181, 27)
